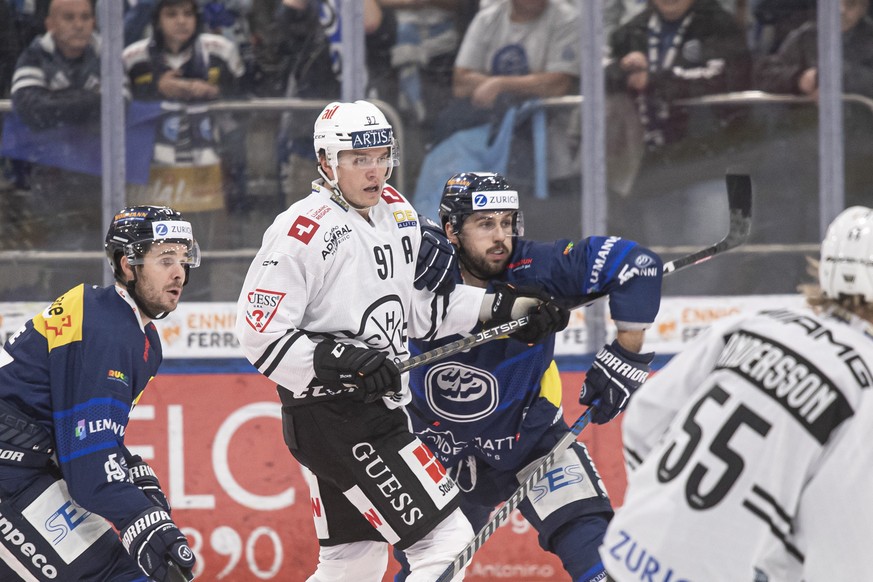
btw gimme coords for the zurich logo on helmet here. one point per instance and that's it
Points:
(479, 200)
(161, 229)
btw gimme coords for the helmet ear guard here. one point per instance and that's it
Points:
(846, 265)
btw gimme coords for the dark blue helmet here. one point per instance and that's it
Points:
(136, 228)
(470, 192)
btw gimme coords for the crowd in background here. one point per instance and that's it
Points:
(461, 74)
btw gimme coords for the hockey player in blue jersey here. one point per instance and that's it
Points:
(490, 412)
(69, 379)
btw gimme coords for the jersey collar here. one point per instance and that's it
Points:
(122, 292)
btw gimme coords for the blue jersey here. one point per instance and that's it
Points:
(476, 403)
(77, 369)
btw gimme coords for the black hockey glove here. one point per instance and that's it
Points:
(437, 259)
(157, 545)
(370, 371)
(144, 477)
(545, 315)
(614, 376)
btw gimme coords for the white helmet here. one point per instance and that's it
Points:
(846, 266)
(353, 126)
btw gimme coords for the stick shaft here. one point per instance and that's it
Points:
(740, 204)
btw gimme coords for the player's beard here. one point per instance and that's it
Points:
(480, 267)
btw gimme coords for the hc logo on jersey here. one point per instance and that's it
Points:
(383, 326)
(461, 393)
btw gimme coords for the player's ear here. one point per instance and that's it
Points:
(126, 268)
(450, 234)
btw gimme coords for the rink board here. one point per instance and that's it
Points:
(216, 442)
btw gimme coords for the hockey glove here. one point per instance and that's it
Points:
(154, 542)
(144, 477)
(614, 376)
(370, 371)
(545, 315)
(437, 259)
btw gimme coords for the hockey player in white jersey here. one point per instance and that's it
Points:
(749, 454)
(325, 311)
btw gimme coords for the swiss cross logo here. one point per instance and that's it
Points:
(303, 229)
(66, 321)
(431, 465)
(328, 114)
(391, 196)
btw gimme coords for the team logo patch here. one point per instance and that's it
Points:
(303, 229)
(461, 393)
(262, 306)
(430, 472)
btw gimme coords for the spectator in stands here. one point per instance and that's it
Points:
(513, 51)
(518, 50)
(29, 17)
(230, 19)
(186, 68)
(794, 70)
(794, 67)
(8, 49)
(775, 19)
(426, 47)
(308, 36)
(57, 84)
(137, 18)
(619, 12)
(672, 50)
(9, 219)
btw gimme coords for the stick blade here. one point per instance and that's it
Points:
(739, 188)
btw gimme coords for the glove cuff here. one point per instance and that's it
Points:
(632, 356)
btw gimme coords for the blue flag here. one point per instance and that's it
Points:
(77, 148)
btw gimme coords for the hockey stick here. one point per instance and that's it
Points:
(175, 573)
(739, 189)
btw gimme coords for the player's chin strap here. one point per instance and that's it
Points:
(131, 289)
(338, 196)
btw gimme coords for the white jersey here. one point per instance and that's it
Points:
(324, 271)
(752, 454)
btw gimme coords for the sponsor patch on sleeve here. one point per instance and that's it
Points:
(261, 307)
